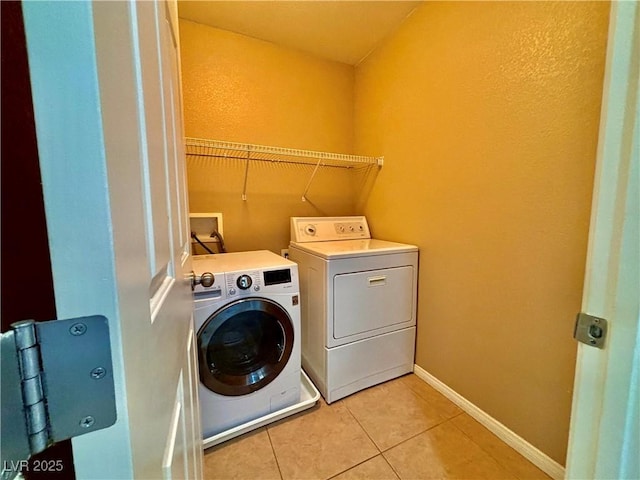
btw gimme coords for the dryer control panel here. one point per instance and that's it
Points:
(324, 229)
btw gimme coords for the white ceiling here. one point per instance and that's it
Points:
(343, 31)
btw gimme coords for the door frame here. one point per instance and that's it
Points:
(603, 438)
(26, 263)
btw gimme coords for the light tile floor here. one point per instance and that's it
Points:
(402, 429)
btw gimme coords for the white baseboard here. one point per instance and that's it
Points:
(531, 453)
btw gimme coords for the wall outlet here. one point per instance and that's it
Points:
(285, 252)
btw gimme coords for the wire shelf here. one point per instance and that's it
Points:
(246, 151)
(199, 147)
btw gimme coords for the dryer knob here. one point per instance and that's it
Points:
(244, 282)
(207, 279)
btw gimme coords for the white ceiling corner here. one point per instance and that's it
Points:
(342, 31)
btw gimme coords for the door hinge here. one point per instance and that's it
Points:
(590, 330)
(57, 383)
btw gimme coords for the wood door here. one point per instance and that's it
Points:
(106, 94)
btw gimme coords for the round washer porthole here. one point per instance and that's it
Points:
(244, 346)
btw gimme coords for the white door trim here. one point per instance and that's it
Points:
(604, 422)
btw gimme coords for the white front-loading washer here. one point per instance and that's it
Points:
(359, 299)
(247, 315)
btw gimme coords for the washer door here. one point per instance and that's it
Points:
(244, 346)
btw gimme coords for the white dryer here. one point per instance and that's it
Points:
(247, 315)
(358, 304)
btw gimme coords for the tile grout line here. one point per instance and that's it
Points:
(352, 467)
(273, 450)
(346, 406)
(487, 452)
(397, 474)
(444, 420)
(363, 429)
(412, 437)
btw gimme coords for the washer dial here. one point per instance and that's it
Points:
(244, 282)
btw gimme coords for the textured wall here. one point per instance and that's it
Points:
(487, 114)
(240, 89)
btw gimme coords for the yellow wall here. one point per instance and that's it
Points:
(244, 90)
(487, 115)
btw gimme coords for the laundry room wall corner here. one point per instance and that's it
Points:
(240, 89)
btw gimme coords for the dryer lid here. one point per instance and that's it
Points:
(353, 248)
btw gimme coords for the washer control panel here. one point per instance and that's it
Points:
(260, 281)
(243, 282)
(323, 229)
(240, 275)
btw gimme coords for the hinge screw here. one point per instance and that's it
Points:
(98, 372)
(87, 421)
(78, 329)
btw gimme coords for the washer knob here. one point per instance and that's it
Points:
(244, 282)
(207, 279)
